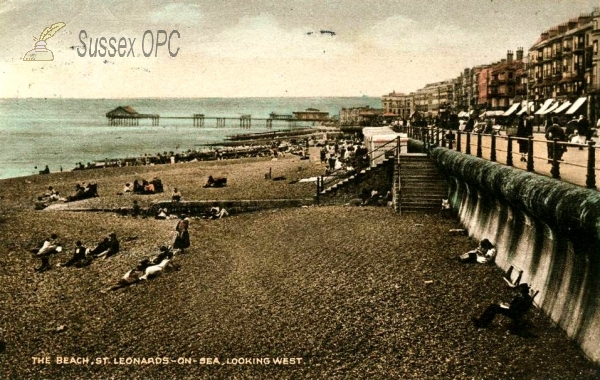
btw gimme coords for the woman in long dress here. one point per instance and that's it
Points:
(523, 132)
(182, 239)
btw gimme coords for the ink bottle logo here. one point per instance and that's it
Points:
(41, 53)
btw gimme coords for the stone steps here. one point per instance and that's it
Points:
(422, 186)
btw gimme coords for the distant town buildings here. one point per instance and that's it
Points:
(311, 114)
(362, 116)
(560, 71)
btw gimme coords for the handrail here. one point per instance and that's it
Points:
(395, 141)
(338, 176)
(553, 148)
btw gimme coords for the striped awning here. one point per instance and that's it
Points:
(551, 108)
(563, 106)
(544, 106)
(576, 105)
(524, 109)
(512, 109)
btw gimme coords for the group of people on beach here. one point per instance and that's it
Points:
(186, 156)
(343, 153)
(82, 256)
(110, 246)
(144, 187)
(82, 191)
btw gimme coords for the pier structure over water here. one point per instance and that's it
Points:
(126, 115)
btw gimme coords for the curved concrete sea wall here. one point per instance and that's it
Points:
(548, 229)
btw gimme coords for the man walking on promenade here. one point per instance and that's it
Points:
(583, 129)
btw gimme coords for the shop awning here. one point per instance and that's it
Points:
(512, 109)
(524, 109)
(563, 106)
(551, 108)
(463, 114)
(494, 113)
(544, 106)
(576, 105)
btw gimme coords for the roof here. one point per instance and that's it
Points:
(122, 110)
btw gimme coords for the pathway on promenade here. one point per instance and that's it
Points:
(572, 170)
(346, 289)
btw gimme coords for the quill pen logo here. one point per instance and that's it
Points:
(41, 53)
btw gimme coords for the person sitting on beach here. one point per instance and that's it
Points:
(90, 190)
(210, 181)
(516, 310)
(136, 210)
(101, 247)
(215, 182)
(79, 258)
(127, 189)
(217, 212)
(182, 238)
(40, 204)
(108, 247)
(132, 276)
(51, 194)
(162, 214)
(79, 191)
(165, 253)
(148, 187)
(49, 247)
(176, 195)
(484, 254)
(137, 188)
(158, 186)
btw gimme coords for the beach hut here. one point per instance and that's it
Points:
(375, 140)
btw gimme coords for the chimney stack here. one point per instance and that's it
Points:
(519, 54)
(509, 56)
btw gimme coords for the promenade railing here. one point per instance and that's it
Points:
(571, 162)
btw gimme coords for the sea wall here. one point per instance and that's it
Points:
(548, 229)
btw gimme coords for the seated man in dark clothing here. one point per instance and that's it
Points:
(79, 259)
(101, 247)
(111, 247)
(158, 186)
(165, 253)
(515, 310)
(90, 190)
(137, 187)
(79, 191)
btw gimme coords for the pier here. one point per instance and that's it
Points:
(127, 116)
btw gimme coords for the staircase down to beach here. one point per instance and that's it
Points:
(415, 179)
(422, 186)
(357, 177)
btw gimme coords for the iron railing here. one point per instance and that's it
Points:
(578, 164)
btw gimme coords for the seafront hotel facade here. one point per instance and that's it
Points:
(560, 74)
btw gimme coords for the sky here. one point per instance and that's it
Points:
(259, 48)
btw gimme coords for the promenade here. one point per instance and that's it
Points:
(573, 165)
(354, 292)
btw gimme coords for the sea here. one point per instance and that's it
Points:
(63, 132)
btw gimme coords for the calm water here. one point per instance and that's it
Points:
(62, 132)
